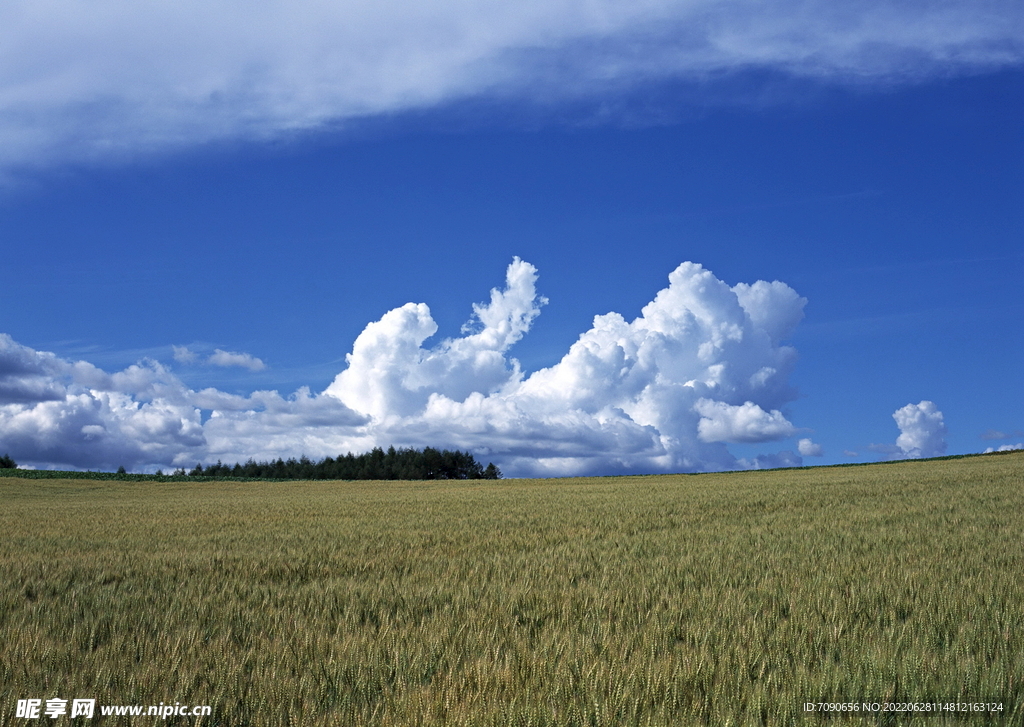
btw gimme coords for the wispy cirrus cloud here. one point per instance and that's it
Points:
(183, 354)
(995, 434)
(226, 359)
(231, 358)
(105, 79)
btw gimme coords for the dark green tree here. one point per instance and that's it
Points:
(377, 464)
(7, 463)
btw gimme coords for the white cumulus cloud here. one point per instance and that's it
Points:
(721, 422)
(55, 412)
(628, 395)
(81, 80)
(922, 430)
(703, 365)
(807, 448)
(390, 374)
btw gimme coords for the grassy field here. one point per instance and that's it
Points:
(722, 599)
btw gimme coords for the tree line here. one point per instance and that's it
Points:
(377, 464)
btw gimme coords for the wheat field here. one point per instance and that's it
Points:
(717, 599)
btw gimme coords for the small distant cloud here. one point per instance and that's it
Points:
(922, 430)
(89, 431)
(807, 448)
(230, 358)
(995, 434)
(850, 453)
(183, 354)
(922, 433)
(1005, 448)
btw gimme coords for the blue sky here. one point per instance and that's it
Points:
(270, 192)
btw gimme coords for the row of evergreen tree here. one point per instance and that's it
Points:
(377, 464)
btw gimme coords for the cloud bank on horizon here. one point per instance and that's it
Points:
(104, 79)
(704, 365)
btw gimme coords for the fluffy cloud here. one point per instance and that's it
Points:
(721, 422)
(390, 375)
(84, 417)
(704, 364)
(26, 376)
(807, 448)
(57, 412)
(922, 430)
(104, 77)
